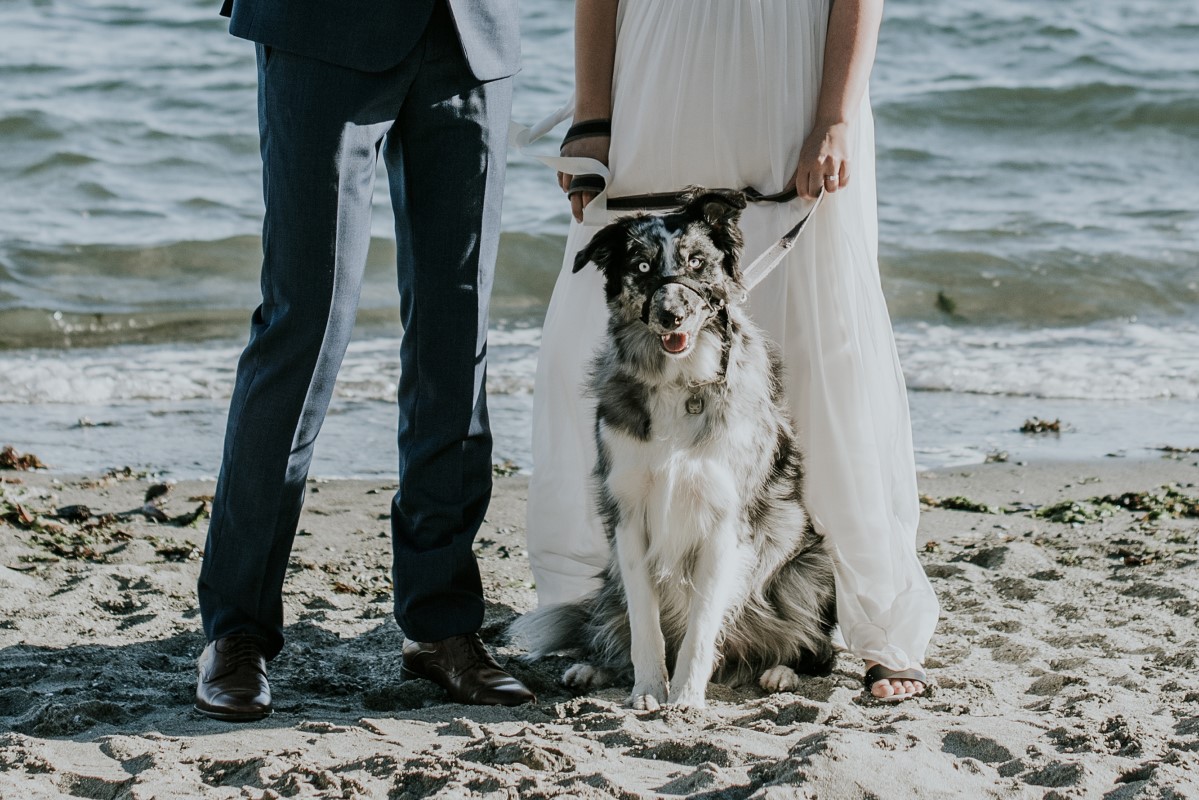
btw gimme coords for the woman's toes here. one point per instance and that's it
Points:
(895, 688)
(884, 688)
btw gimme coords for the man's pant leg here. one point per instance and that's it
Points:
(445, 158)
(320, 127)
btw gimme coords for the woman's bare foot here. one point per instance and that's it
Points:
(893, 685)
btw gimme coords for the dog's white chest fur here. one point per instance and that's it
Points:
(678, 483)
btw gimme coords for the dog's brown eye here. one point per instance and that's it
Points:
(695, 262)
(643, 266)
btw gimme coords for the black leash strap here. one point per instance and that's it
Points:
(764, 264)
(668, 201)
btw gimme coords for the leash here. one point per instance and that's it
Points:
(592, 175)
(765, 263)
(596, 212)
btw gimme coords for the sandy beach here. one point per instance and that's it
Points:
(1064, 664)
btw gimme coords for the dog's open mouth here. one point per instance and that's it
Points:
(675, 342)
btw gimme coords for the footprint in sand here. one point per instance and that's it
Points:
(693, 754)
(1049, 685)
(1056, 775)
(969, 745)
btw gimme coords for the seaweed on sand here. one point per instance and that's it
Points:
(11, 458)
(1038, 425)
(958, 503)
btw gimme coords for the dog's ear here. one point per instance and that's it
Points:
(720, 208)
(606, 244)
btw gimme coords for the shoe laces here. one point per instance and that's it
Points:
(241, 651)
(472, 647)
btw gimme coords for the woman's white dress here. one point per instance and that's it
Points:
(721, 93)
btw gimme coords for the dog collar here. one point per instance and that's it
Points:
(722, 315)
(695, 403)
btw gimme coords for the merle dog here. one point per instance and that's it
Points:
(715, 565)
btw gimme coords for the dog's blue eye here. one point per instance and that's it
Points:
(643, 266)
(695, 262)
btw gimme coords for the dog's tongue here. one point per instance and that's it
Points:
(674, 342)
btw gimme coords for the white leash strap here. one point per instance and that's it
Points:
(521, 136)
(764, 264)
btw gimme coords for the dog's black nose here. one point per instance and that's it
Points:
(669, 319)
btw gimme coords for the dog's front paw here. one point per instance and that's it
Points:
(584, 677)
(648, 696)
(644, 702)
(779, 678)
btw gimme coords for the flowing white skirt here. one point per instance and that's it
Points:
(721, 93)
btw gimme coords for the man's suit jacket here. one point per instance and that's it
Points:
(374, 35)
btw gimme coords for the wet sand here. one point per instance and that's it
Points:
(1064, 664)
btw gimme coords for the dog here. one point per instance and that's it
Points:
(715, 564)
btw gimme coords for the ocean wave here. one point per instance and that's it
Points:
(68, 160)
(1115, 362)
(97, 295)
(1079, 107)
(180, 372)
(100, 295)
(32, 125)
(989, 285)
(1119, 361)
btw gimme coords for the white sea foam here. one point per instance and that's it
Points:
(1112, 361)
(162, 407)
(183, 372)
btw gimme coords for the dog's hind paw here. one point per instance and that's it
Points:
(581, 677)
(779, 679)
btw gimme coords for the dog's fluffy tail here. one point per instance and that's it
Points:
(553, 629)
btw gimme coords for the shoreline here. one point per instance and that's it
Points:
(1061, 662)
(357, 441)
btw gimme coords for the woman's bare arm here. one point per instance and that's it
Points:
(850, 45)
(595, 54)
(849, 49)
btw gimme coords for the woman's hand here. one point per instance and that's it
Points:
(590, 147)
(848, 55)
(823, 160)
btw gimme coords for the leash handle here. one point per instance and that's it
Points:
(521, 136)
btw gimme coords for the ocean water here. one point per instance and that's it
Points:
(1038, 173)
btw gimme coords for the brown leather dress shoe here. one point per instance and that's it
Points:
(462, 666)
(232, 684)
